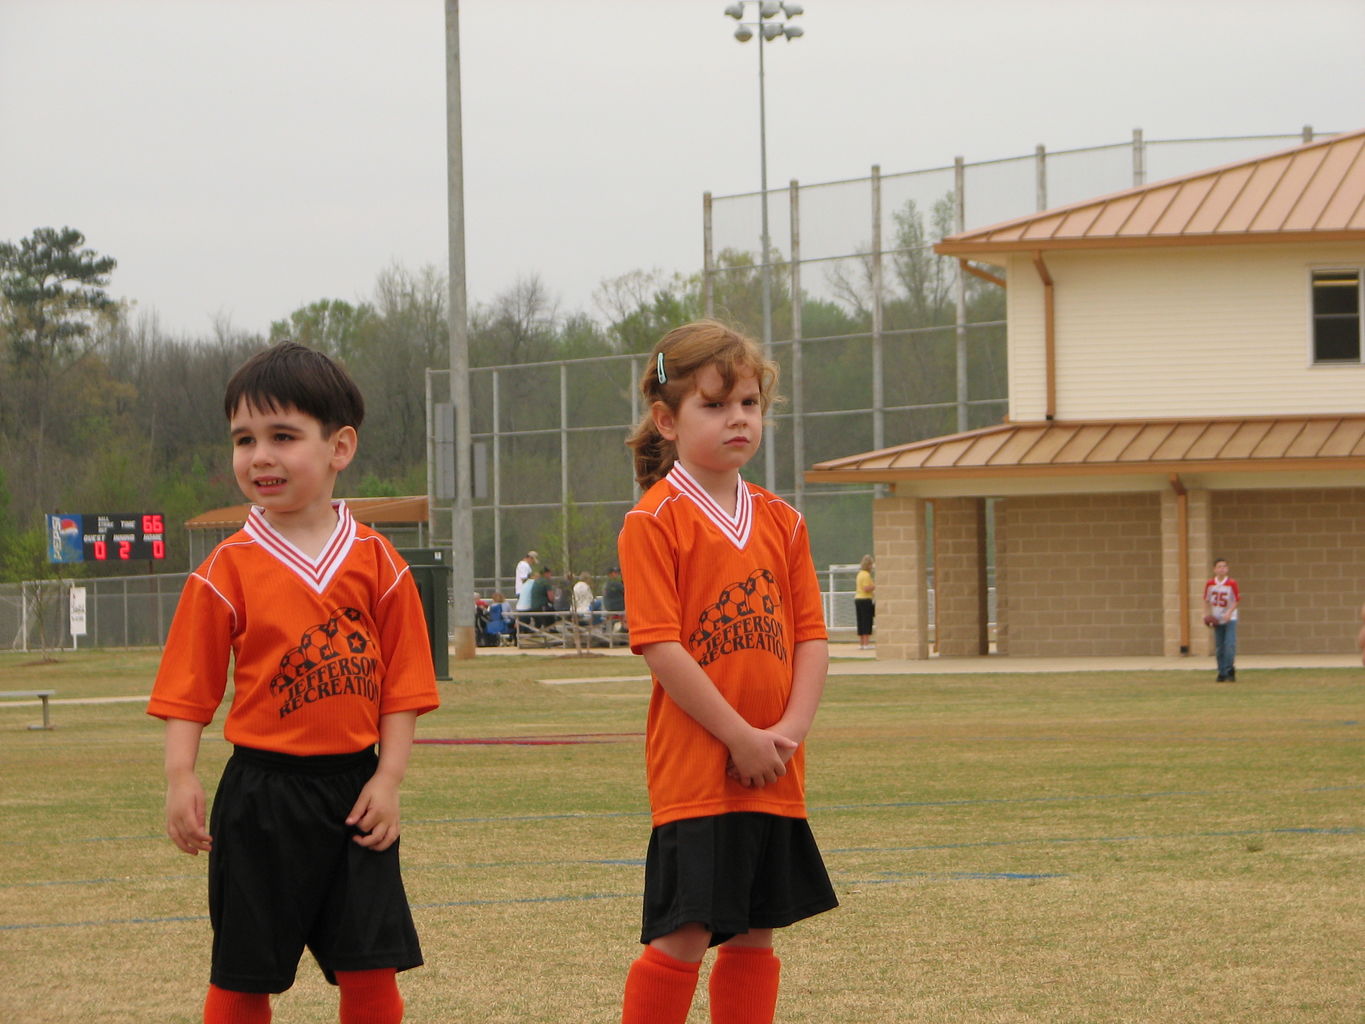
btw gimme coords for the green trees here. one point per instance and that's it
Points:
(54, 296)
(103, 412)
(53, 313)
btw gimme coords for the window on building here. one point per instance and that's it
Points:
(1336, 316)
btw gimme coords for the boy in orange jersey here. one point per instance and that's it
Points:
(723, 603)
(325, 629)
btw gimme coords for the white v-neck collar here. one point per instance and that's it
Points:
(737, 527)
(316, 573)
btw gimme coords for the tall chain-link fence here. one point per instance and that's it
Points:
(551, 472)
(119, 611)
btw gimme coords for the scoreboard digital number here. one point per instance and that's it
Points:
(106, 537)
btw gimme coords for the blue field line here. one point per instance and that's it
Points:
(584, 898)
(557, 816)
(181, 919)
(1065, 798)
(1135, 737)
(35, 925)
(56, 882)
(639, 862)
(886, 805)
(1071, 840)
(814, 809)
(886, 878)
(892, 877)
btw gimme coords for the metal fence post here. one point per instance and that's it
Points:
(960, 293)
(1040, 178)
(564, 460)
(636, 414)
(708, 261)
(798, 386)
(497, 480)
(878, 387)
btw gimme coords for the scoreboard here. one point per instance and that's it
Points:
(106, 537)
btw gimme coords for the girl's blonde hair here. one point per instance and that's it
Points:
(670, 377)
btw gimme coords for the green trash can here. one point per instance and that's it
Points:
(431, 573)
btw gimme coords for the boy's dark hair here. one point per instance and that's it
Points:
(288, 375)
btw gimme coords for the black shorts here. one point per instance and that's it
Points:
(864, 609)
(731, 873)
(284, 873)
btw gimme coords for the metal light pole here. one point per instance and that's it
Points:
(768, 29)
(461, 514)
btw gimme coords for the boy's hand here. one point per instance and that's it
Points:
(759, 757)
(376, 814)
(185, 814)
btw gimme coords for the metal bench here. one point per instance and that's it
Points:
(43, 695)
(538, 629)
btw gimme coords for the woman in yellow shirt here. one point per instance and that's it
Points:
(864, 606)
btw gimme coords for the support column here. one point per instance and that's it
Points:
(1172, 547)
(960, 577)
(1201, 556)
(1197, 550)
(898, 531)
(1002, 577)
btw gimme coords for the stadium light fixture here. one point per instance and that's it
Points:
(769, 26)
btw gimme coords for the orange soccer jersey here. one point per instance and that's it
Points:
(321, 647)
(739, 593)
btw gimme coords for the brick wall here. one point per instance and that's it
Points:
(898, 530)
(1084, 574)
(1002, 581)
(1299, 557)
(960, 577)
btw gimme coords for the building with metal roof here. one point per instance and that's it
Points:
(1186, 381)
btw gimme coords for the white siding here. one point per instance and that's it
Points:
(1025, 340)
(1202, 331)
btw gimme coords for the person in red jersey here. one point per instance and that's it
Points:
(325, 631)
(723, 603)
(1221, 598)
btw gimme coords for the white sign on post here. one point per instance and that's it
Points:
(77, 614)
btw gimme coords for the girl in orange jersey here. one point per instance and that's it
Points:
(723, 603)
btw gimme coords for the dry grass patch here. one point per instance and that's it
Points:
(1068, 848)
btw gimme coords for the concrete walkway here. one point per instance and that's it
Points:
(847, 659)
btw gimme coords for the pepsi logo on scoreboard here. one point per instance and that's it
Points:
(106, 537)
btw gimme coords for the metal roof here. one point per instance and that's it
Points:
(1314, 192)
(411, 509)
(1093, 448)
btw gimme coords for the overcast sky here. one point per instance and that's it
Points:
(241, 158)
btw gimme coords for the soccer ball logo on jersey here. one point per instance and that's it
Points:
(743, 618)
(334, 658)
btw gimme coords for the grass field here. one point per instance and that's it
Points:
(1108, 847)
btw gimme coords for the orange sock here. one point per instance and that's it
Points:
(743, 986)
(659, 989)
(224, 1006)
(370, 997)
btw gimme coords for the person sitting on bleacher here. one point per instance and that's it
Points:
(499, 625)
(542, 594)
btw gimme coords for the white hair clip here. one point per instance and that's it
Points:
(659, 370)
